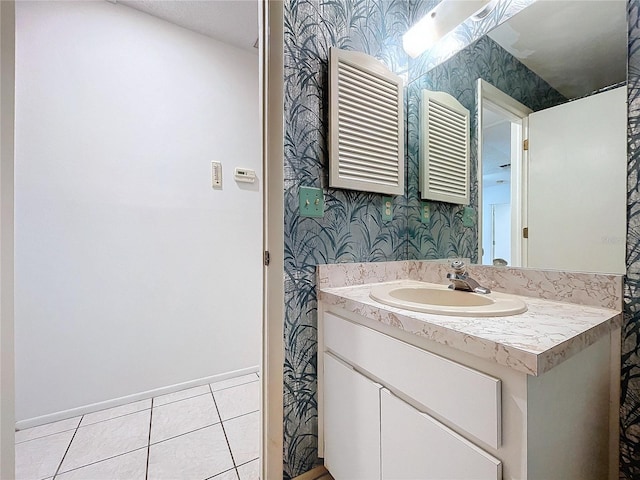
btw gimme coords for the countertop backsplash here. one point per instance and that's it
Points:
(591, 289)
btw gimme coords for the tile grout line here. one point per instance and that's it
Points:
(218, 474)
(235, 467)
(68, 447)
(113, 418)
(146, 472)
(182, 399)
(185, 433)
(238, 416)
(97, 461)
(232, 386)
(249, 461)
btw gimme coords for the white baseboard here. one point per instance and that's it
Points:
(116, 402)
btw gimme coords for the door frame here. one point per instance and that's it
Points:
(7, 359)
(518, 114)
(272, 116)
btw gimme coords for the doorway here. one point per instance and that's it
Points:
(502, 177)
(151, 177)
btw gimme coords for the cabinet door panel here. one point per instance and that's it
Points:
(351, 423)
(416, 446)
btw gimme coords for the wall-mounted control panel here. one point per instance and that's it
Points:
(246, 175)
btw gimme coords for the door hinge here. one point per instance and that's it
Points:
(525, 144)
(525, 232)
(267, 258)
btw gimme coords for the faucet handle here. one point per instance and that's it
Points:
(458, 266)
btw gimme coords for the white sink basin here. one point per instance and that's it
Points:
(441, 300)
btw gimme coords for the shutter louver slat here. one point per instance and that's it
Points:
(355, 90)
(367, 129)
(444, 148)
(358, 162)
(379, 145)
(365, 122)
(366, 134)
(360, 75)
(387, 116)
(368, 156)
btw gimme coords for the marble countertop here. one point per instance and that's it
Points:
(533, 342)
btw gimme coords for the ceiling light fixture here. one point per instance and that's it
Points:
(446, 16)
(484, 11)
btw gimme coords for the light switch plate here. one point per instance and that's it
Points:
(387, 209)
(425, 212)
(311, 202)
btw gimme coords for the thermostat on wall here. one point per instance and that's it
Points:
(245, 175)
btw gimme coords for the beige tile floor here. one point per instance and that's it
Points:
(206, 432)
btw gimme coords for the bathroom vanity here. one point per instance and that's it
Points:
(415, 395)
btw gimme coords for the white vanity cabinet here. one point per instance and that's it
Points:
(395, 406)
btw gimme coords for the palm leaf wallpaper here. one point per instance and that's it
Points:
(630, 375)
(352, 229)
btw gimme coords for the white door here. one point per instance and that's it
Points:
(501, 231)
(416, 446)
(351, 422)
(577, 185)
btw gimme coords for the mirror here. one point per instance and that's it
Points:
(550, 57)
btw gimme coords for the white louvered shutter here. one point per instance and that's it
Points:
(444, 148)
(366, 125)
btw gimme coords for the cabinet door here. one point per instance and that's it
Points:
(416, 446)
(351, 422)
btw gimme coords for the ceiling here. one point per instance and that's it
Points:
(230, 21)
(577, 46)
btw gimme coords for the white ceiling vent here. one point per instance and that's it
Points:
(444, 148)
(366, 140)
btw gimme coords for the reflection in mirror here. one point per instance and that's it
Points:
(496, 186)
(582, 51)
(502, 129)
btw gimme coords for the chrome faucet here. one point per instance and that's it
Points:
(461, 281)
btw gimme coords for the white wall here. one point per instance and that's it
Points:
(132, 273)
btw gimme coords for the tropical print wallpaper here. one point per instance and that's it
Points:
(352, 229)
(445, 236)
(630, 374)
